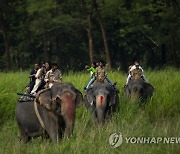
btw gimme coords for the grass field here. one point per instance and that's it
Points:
(160, 118)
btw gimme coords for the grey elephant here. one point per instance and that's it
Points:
(34, 119)
(139, 89)
(102, 100)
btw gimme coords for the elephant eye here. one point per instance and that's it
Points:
(58, 100)
(135, 89)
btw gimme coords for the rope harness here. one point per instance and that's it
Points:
(38, 115)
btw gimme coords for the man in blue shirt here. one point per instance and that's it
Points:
(32, 76)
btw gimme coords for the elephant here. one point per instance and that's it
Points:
(102, 100)
(139, 89)
(52, 123)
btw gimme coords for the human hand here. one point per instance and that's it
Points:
(86, 67)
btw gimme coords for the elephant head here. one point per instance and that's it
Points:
(102, 98)
(63, 99)
(139, 89)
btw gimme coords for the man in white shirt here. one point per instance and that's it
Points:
(53, 75)
(39, 77)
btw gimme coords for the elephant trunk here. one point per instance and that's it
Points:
(69, 128)
(134, 96)
(100, 108)
(68, 113)
(136, 93)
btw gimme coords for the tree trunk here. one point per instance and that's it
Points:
(173, 50)
(59, 58)
(6, 44)
(46, 47)
(108, 58)
(163, 54)
(89, 30)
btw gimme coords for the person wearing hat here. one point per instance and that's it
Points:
(134, 70)
(52, 76)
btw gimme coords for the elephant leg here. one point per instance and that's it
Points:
(52, 130)
(94, 116)
(45, 136)
(53, 134)
(109, 111)
(24, 137)
(61, 131)
(94, 113)
(87, 104)
(100, 116)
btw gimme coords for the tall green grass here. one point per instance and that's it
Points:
(160, 118)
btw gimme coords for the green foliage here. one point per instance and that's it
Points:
(11, 83)
(160, 118)
(141, 30)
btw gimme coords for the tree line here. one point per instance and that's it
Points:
(77, 32)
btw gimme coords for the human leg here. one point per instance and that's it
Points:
(37, 84)
(128, 78)
(90, 83)
(110, 82)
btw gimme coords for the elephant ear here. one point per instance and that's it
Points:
(79, 98)
(90, 97)
(113, 98)
(44, 97)
(149, 89)
(126, 90)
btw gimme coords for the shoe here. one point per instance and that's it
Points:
(125, 86)
(114, 83)
(117, 90)
(33, 94)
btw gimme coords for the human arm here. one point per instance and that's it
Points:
(141, 69)
(90, 69)
(57, 76)
(46, 79)
(39, 73)
(86, 67)
(32, 74)
(60, 76)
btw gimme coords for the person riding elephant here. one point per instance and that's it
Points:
(52, 76)
(34, 119)
(102, 100)
(39, 79)
(100, 76)
(32, 78)
(135, 71)
(92, 71)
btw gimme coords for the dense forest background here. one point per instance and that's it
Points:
(76, 32)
